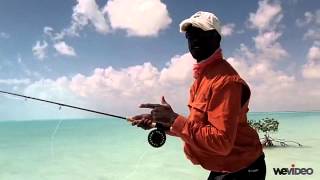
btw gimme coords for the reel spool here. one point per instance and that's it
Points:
(157, 137)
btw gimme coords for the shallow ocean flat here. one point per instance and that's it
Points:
(107, 149)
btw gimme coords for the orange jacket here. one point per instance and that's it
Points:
(216, 133)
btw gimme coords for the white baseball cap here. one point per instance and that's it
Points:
(203, 20)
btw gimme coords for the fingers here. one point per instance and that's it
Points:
(153, 106)
(144, 123)
(135, 122)
(135, 117)
(149, 105)
(139, 117)
(142, 118)
(159, 113)
(163, 101)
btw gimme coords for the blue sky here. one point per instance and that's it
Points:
(129, 51)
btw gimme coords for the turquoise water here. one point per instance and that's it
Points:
(103, 149)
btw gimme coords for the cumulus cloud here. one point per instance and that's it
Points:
(48, 30)
(53, 36)
(267, 20)
(312, 21)
(308, 18)
(311, 71)
(84, 13)
(64, 49)
(272, 88)
(267, 39)
(228, 29)
(128, 15)
(138, 17)
(178, 70)
(312, 68)
(87, 12)
(314, 54)
(312, 34)
(269, 47)
(40, 50)
(122, 90)
(267, 15)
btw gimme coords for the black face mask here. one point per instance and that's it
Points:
(202, 44)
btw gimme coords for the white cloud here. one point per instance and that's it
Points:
(311, 21)
(120, 91)
(129, 15)
(4, 35)
(267, 15)
(314, 54)
(87, 12)
(269, 47)
(48, 30)
(275, 90)
(39, 50)
(15, 81)
(178, 70)
(138, 17)
(308, 17)
(64, 49)
(228, 29)
(272, 89)
(54, 37)
(267, 39)
(311, 70)
(267, 21)
(313, 34)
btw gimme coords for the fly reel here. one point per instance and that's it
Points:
(157, 137)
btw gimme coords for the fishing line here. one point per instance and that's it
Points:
(156, 137)
(53, 136)
(137, 164)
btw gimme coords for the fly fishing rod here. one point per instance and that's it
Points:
(156, 137)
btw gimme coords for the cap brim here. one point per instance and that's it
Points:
(189, 22)
(185, 24)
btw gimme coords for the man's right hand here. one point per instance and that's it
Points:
(143, 120)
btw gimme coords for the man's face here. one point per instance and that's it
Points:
(202, 44)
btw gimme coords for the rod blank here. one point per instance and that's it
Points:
(66, 105)
(70, 106)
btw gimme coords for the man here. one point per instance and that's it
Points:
(216, 133)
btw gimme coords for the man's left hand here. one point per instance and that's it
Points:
(161, 113)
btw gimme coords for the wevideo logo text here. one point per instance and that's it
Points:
(293, 171)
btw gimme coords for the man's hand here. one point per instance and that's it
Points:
(143, 120)
(161, 113)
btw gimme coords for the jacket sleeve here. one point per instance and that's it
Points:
(218, 135)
